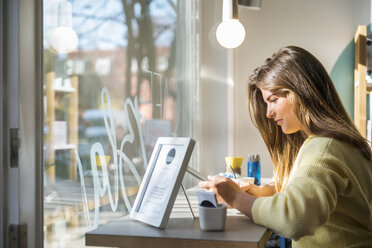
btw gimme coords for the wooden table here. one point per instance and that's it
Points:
(182, 231)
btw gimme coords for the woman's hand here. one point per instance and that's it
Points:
(246, 186)
(231, 193)
(259, 191)
(224, 188)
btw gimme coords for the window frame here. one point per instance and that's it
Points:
(27, 70)
(31, 131)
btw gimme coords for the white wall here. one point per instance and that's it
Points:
(323, 27)
(213, 91)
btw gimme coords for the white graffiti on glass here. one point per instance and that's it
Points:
(102, 185)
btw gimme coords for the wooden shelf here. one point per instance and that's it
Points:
(69, 94)
(360, 82)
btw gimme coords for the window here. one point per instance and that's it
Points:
(117, 75)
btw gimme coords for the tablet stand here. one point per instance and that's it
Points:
(188, 201)
(199, 176)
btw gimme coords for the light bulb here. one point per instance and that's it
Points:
(64, 40)
(230, 33)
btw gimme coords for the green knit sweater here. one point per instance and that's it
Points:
(328, 200)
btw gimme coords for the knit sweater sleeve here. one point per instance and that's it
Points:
(307, 201)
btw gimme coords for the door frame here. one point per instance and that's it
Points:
(21, 100)
(9, 101)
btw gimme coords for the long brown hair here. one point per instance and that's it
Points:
(295, 72)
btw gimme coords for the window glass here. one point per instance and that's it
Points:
(118, 74)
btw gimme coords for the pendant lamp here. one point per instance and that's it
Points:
(230, 32)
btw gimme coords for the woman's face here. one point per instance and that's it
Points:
(279, 109)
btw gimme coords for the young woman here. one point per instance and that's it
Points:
(322, 190)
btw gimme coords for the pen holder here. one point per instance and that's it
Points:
(211, 218)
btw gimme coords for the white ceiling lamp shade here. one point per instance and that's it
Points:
(64, 39)
(230, 32)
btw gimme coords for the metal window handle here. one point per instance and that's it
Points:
(14, 147)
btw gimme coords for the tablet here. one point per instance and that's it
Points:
(162, 180)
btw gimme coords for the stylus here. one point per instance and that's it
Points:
(196, 174)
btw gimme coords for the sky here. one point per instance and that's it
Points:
(100, 24)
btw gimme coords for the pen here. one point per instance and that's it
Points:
(232, 171)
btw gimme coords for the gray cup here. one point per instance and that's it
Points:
(211, 218)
